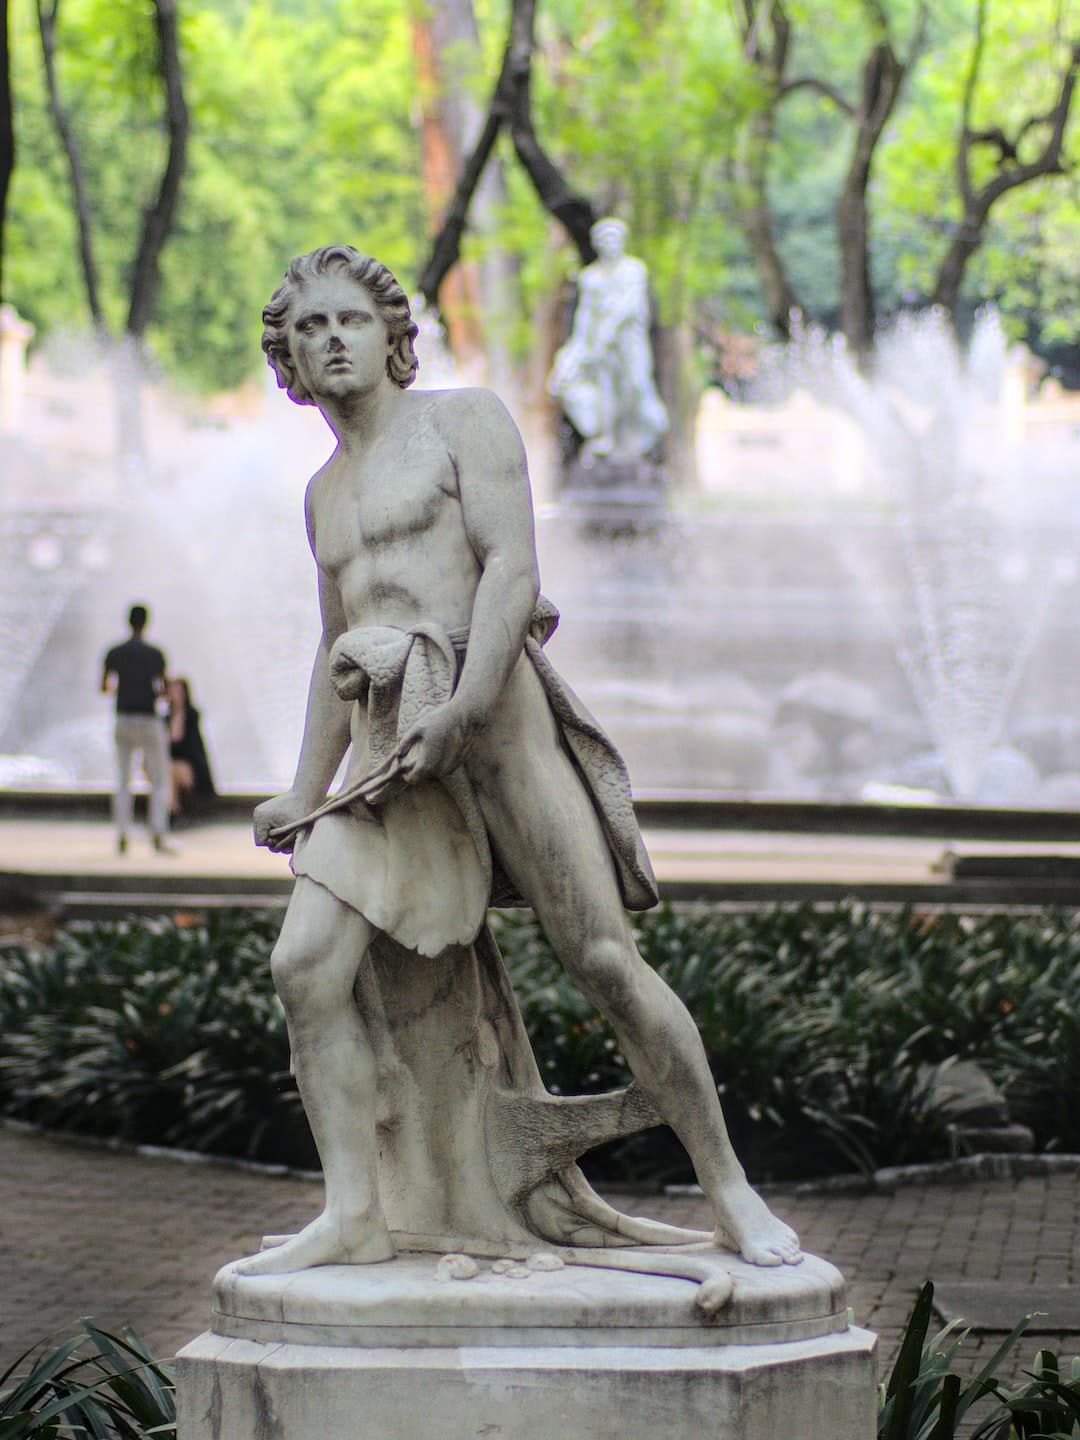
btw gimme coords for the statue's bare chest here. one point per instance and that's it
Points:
(382, 506)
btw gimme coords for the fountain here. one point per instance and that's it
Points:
(865, 598)
(961, 574)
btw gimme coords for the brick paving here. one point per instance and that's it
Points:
(136, 1239)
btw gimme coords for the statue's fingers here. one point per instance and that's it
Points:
(380, 788)
(407, 743)
(409, 764)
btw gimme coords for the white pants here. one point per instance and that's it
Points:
(144, 734)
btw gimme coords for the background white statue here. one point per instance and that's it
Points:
(603, 375)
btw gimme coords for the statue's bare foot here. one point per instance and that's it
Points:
(328, 1240)
(747, 1226)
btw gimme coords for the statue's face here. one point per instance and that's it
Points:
(608, 241)
(337, 339)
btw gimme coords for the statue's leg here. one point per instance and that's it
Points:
(321, 946)
(607, 411)
(549, 839)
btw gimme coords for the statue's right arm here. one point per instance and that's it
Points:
(326, 725)
(581, 325)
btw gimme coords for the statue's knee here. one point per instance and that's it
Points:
(295, 973)
(606, 974)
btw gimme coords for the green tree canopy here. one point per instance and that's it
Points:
(304, 129)
(300, 131)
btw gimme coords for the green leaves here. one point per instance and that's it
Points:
(94, 1384)
(1046, 1407)
(822, 1026)
(925, 1398)
(156, 1032)
(301, 131)
(824, 1029)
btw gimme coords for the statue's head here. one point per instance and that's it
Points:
(608, 236)
(388, 297)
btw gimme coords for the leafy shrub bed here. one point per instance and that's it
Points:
(154, 1031)
(817, 1024)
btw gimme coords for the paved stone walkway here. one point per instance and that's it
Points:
(768, 862)
(136, 1239)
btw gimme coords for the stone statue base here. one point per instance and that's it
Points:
(612, 496)
(403, 1350)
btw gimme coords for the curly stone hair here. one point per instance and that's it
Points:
(391, 303)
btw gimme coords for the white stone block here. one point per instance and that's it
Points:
(489, 1357)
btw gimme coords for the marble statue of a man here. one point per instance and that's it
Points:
(603, 375)
(468, 777)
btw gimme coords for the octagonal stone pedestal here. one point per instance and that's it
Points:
(390, 1352)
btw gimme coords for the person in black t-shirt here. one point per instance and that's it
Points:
(135, 672)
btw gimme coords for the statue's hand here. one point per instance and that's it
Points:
(277, 812)
(437, 743)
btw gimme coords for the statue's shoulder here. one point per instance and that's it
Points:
(476, 428)
(466, 408)
(316, 486)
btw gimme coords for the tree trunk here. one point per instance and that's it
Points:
(766, 37)
(159, 216)
(681, 391)
(441, 155)
(966, 239)
(446, 246)
(510, 103)
(1009, 172)
(7, 132)
(574, 212)
(158, 219)
(125, 362)
(477, 299)
(781, 300)
(881, 80)
(47, 13)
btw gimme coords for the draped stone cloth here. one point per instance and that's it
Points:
(419, 865)
(473, 1153)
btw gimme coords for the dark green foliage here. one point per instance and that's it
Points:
(1045, 1407)
(156, 1032)
(819, 1026)
(926, 1398)
(93, 1384)
(819, 1023)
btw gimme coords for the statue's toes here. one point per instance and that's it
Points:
(714, 1294)
(763, 1253)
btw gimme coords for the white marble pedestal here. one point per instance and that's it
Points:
(390, 1352)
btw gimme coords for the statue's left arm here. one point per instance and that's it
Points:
(496, 506)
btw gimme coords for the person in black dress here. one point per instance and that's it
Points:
(191, 779)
